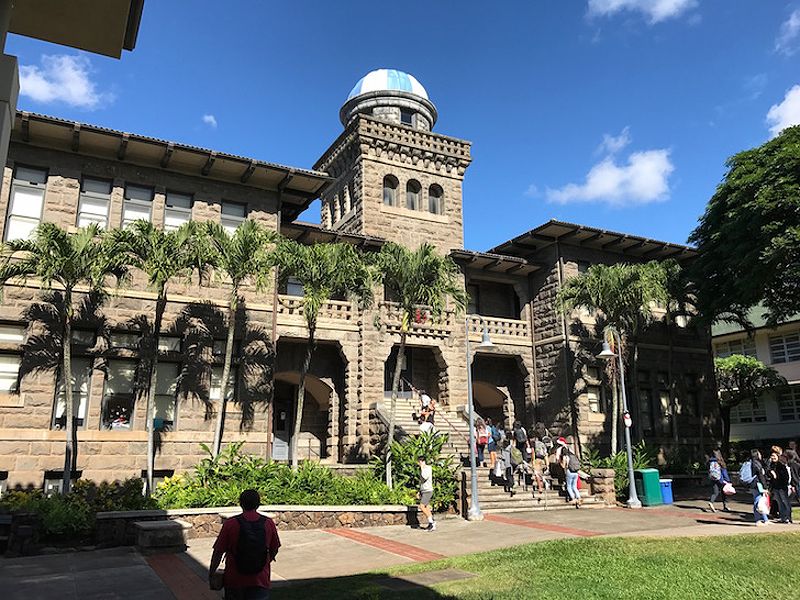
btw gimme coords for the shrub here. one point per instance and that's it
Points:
(218, 481)
(62, 517)
(405, 467)
(643, 458)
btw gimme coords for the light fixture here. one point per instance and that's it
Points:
(607, 352)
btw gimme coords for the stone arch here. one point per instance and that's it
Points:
(490, 401)
(508, 374)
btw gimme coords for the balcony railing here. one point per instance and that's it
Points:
(421, 323)
(292, 306)
(507, 331)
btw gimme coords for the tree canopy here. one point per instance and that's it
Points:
(749, 236)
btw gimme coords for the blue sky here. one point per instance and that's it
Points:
(612, 113)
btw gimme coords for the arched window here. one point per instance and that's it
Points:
(390, 184)
(344, 202)
(436, 199)
(413, 189)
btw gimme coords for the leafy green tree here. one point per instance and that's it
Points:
(420, 279)
(162, 256)
(325, 271)
(749, 237)
(741, 378)
(241, 257)
(65, 261)
(625, 294)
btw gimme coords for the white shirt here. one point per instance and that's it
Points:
(425, 400)
(426, 478)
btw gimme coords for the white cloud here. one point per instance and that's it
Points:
(781, 116)
(655, 10)
(613, 144)
(62, 78)
(642, 180)
(532, 191)
(210, 120)
(786, 42)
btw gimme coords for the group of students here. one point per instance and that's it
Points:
(514, 455)
(773, 483)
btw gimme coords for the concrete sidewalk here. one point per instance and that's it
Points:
(121, 573)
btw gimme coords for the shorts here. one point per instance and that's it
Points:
(425, 498)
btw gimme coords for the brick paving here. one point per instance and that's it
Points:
(406, 550)
(542, 526)
(181, 580)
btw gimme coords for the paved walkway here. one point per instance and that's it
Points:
(121, 573)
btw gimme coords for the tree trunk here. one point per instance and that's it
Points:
(301, 393)
(226, 372)
(725, 418)
(70, 450)
(398, 367)
(161, 304)
(633, 393)
(673, 400)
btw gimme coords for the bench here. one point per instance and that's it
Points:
(156, 537)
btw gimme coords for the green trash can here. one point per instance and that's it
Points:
(648, 486)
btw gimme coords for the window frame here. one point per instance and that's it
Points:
(134, 202)
(172, 397)
(13, 390)
(792, 394)
(416, 195)
(435, 196)
(226, 220)
(133, 392)
(407, 116)
(392, 188)
(788, 344)
(96, 196)
(745, 346)
(179, 210)
(59, 390)
(25, 184)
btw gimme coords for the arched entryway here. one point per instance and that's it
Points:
(490, 402)
(313, 440)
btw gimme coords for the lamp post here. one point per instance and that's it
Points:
(608, 354)
(474, 513)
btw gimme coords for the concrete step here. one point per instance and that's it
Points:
(521, 508)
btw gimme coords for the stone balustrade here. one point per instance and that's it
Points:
(390, 316)
(292, 306)
(505, 331)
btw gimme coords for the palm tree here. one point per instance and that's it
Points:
(161, 256)
(325, 271)
(65, 260)
(624, 294)
(241, 257)
(417, 279)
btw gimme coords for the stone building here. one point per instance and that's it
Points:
(388, 176)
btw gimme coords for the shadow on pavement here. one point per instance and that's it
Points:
(357, 587)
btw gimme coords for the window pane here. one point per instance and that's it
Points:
(96, 186)
(81, 378)
(593, 392)
(9, 368)
(175, 200)
(20, 228)
(119, 394)
(166, 385)
(233, 209)
(94, 206)
(294, 288)
(135, 192)
(135, 212)
(26, 202)
(30, 175)
(12, 333)
(125, 340)
(173, 220)
(216, 380)
(169, 344)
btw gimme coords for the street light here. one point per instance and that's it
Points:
(608, 354)
(474, 513)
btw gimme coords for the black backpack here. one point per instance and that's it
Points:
(520, 435)
(251, 547)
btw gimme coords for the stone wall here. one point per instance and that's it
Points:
(117, 529)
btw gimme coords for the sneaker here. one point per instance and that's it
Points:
(433, 525)
(711, 507)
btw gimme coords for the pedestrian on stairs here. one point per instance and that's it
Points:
(481, 439)
(571, 466)
(492, 441)
(520, 436)
(427, 412)
(426, 492)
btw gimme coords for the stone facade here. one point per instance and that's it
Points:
(536, 371)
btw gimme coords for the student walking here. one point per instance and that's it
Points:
(481, 440)
(249, 542)
(510, 458)
(520, 436)
(571, 466)
(793, 461)
(492, 442)
(753, 474)
(780, 476)
(718, 482)
(426, 493)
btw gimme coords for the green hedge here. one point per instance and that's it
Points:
(219, 481)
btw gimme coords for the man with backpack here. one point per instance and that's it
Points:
(753, 475)
(520, 436)
(249, 542)
(571, 466)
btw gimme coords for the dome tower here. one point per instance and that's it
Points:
(394, 178)
(390, 95)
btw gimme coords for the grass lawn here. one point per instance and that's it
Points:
(747, 566)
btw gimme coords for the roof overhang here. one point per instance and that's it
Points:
(312, 233)
(299, 187)
(573, 234)
(495, 264)
(101, 26)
